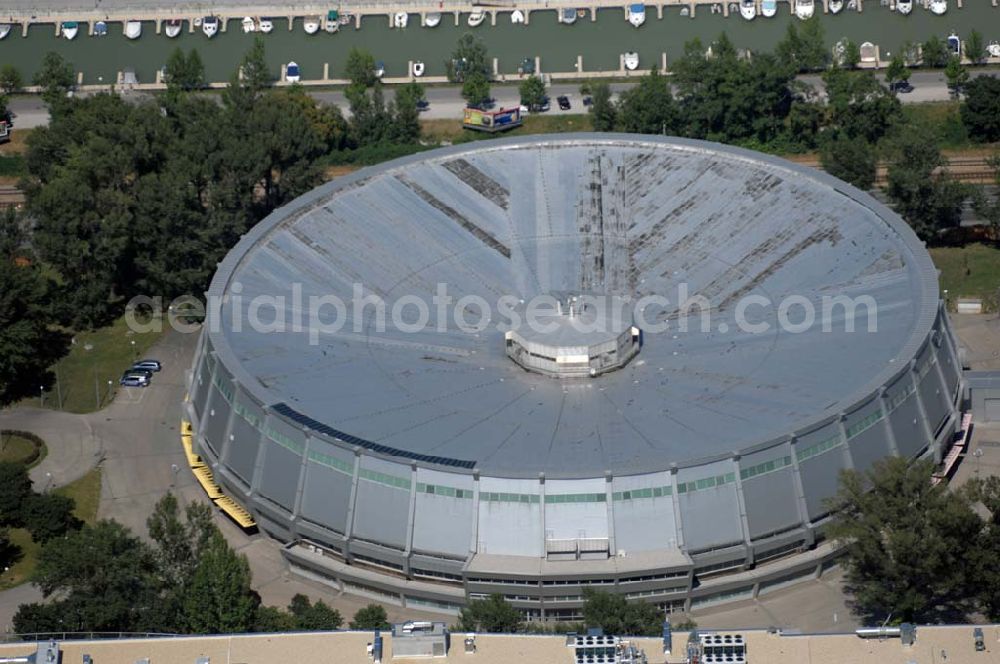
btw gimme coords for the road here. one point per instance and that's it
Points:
(445, 102)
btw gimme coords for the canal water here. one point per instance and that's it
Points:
(600, 43)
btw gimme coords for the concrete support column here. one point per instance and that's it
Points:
(474, 544)
(848, 457)
(407, 551)
(300, 489)
(609, 499)
(800, 491)
(889, 435)
(351, 502)
(678, 520)
(741, 504)
(541, 504)
(925, 423)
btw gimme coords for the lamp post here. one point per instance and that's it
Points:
(41, 396)
(979, 455)
(174, 468)
(134, 355)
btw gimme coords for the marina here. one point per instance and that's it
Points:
(562, 41)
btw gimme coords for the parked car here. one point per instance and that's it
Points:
(563, 102)
(903, 87)
(133, 380)
(588, 101)
(145, 373)
(148, 365)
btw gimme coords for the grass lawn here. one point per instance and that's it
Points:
(451, 131)
(86, 493)
(969, 271)
(83, 374)
(17, 449)
(24, 565)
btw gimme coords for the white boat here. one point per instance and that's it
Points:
(904, 7)
(70, 29)
(631, 60)
(637, 14)
(100, 29)
(265, 25)
(804, 9)
(173, 27)
(939, 6)
(835, 6)
(476, 18)
(4, 29)
(400, 19)
(133, 29)
(867, 52)
(418, 68)
(993, 49)
(432, 20)
(310, 24)
(292, 72)
(249, 25)
(567, 16)
(517, 17)
(332, 21)
(768, 8)
(210, 26)
(748, 9)
(379, 69)
(954, 44)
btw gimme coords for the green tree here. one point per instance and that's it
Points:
(9, 552)
(360, 68)
(935, 52)
(184, 72)
(179, 539)
(493, 614)
(10, 79)
(985, 563)
(55, 77)
(922, 190)
(48, 516)
(29, 344)
(987, 203)
(406, 112)
(850, 159)
(273, 620)
(648, 107)
(859, 105)
(532, 91)
(907, 543)
(896, 72)
(805, 50)
(476, 89)
(981, 109)
(851, 55)
(956, 75)
(100, 578)
(615, 615)
(218, 598)
(256, 75)
(605, 115)
(314, 617)
(15, 489)
(975, 47)
(372, 616)
(469, 59)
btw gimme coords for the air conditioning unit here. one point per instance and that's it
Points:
(621, 553)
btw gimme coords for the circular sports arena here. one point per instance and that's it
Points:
(776, 327)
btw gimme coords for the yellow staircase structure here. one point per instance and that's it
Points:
(203, 474)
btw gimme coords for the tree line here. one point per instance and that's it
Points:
(187, 580)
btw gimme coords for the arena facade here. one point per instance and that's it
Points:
(685, 467)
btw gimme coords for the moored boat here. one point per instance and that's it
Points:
(100, 29)
(835, 6)
(210, 26)
(567, 16)
(768, 8)
(631, 60)
(332, 21)
(939, 6)
(265, 25)
(476, 18)
(133, 29)
(954, 44)
(867, 52)
(173, 27)
(4, 29)
(904, 7)
(310, 24)
(69, 29)
(418, 68)
(637, 14)
(292, 72)
(993, 49)
(249, 25)
(748, 9)
(517, 17)
(379, 69)
(400, 20)
(804, 9)
(432, 20)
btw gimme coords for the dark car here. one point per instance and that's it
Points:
(423, 105)
(148, 365)
(903, 87)
(563, 102)
(588, 101)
